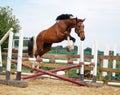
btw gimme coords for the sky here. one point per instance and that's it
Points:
(102, 22)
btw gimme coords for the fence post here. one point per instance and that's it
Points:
(114, 61)
(105, 61)
(95, 61)
(9, 56)
(1, 68)
(20, 50)
(81, 60)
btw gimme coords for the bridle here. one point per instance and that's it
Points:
(79, 31)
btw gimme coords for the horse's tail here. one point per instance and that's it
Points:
(31, 46)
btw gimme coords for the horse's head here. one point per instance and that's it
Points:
(79, 29)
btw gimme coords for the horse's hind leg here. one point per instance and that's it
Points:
(46, 48)
(39, 48)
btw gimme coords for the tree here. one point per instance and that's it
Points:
(8, 20)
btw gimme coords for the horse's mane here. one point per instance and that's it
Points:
(64, 16)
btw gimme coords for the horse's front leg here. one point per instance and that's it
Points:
(46, 48)
(70, 47)
(69, 37)
(72, 38)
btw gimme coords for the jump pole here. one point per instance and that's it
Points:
(53, 71)
(51, 74)
(56, 61)
(81, 60)
(20, 48)
(9, 56)
(95, 53)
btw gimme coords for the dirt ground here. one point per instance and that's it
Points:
(49, 86)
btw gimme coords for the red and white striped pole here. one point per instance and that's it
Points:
(52, 74)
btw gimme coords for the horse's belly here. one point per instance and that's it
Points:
(53, 40)
(52, 37)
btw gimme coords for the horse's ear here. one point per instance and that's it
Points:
(83, 19)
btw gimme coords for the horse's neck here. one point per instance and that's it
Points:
(69, 30)
(62, 27)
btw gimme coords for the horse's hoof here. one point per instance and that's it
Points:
(69, 48)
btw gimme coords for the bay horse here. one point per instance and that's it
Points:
(58, 32)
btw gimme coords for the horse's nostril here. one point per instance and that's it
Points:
(83, 38)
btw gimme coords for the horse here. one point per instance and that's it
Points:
(79, 29)
(39, 45)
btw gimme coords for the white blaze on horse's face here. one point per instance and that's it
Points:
(82, 35)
